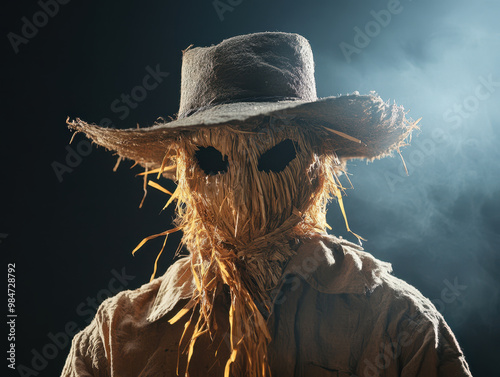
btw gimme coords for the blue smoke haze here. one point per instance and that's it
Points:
(438, 226)
(441, 223)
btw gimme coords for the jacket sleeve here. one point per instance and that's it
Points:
(431, 350)
(87, 357)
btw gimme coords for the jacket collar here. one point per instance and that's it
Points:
(176, 284)
(328, 264)
(333, 265)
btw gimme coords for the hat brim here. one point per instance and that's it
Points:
(355, 126)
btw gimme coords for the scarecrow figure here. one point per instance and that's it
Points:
(263, 289)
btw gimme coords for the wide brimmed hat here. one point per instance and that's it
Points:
(248, 81)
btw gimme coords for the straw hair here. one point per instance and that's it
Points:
(241, 227)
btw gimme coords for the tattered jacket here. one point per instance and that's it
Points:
(338, 312)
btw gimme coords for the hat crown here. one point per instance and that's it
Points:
(258, 67)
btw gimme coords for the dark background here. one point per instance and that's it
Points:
(69, 233)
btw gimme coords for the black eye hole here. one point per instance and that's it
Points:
(211, 161)
(278, 157)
